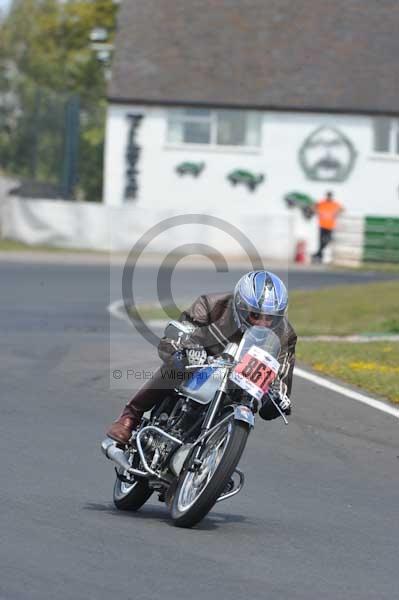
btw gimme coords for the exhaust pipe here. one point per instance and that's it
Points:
(116, 454)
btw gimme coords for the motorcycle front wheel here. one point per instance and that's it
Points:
(201, 484)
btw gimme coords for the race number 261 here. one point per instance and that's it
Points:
(256, 371)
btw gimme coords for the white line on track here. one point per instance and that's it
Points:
(339, 389)
(117, 310)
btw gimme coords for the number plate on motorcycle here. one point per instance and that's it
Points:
(255, 372)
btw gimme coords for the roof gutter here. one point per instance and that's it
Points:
(262, 107)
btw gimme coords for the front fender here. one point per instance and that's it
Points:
(244, 413)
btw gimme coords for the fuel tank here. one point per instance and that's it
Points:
(203, 384)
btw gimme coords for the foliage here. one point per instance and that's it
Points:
(91, 152)
(45, 53)
(48, 42)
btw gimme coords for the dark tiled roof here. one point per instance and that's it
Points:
(340, 55)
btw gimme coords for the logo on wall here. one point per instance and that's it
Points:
(190, 168)
(327, 155)
(132, 158)
(251, 181)
(302, 201)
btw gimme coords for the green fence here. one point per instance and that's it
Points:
(52, 143)
(381, 239)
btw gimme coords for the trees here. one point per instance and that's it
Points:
(45, 60)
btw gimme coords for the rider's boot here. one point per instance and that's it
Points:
(121, 429)
(152, 392)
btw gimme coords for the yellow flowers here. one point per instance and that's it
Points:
(372, 366)
(358, 365)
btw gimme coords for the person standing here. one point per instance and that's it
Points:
(327, 211)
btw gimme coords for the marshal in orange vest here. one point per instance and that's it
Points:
(328, 210)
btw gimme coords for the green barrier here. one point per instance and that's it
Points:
(381, 239)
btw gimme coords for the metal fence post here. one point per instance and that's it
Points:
(69, 176)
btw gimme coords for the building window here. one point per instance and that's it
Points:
(386, 135)
(189, 126)
(214, 127)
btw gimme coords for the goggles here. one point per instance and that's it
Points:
(261, 320)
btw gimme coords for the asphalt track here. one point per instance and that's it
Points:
(318, 517)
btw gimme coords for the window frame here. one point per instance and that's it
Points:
(212, 146)
(393, 151)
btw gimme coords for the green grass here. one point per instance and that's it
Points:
(341, 310)
(357, 309)
(14, 246)
(148, 311)
(374, 266)
(372, 366)
(345, 310)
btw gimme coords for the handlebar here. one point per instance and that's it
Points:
(216, 364)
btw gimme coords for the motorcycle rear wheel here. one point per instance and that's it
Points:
(198, 489)
(131, 496)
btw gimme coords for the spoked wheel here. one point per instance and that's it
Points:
(203, 480)
(131, 496)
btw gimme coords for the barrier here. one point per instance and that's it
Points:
(275, 235)
(102, 227)
(381, 239)
(347, 245)
(366, 239)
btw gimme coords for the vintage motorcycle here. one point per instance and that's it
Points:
(189, 448)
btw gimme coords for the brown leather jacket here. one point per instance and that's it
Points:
(213, 314)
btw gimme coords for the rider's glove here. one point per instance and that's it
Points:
(196, 355)
(279, 389)
(276, 395)
(283, 401)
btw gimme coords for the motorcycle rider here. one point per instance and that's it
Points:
(259, 298)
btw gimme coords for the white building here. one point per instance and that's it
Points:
(229, 106)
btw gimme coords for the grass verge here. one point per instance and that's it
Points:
(356, 309)
(341, 310)
(14, 246)
(375, 266)
(373, 366)
(344, 310)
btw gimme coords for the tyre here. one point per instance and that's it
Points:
(197, 490)
(131, 496)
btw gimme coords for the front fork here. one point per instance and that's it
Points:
(209, 418)
(241, 413)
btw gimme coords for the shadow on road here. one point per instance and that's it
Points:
(212, 522)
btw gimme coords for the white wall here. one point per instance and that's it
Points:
(372, 187)
(98, 226)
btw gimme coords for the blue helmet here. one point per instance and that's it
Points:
(257, 294)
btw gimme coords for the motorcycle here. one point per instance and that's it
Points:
(189, 448)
